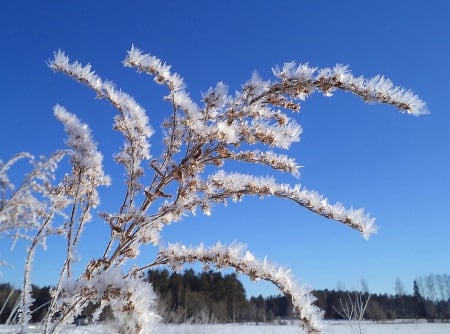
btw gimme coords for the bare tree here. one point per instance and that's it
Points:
(430, 283)
(434, 287)
(399, 287)
(400, 292)
(251, 126)
(443, 286)
(354, 308)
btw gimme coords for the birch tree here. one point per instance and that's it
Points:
(254, 125)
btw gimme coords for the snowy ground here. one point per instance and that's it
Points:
(335, 327)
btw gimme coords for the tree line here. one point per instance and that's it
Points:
(209, 296)
(213, 297)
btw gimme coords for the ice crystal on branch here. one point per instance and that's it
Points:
(302, 82)
(236, 185)
(132, 120)
(175, 255)
(86, 159)
(252, 126)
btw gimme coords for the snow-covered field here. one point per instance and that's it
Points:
(336, 327)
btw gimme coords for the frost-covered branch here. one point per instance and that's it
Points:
(80, 186)
(176, 255)
(255, 125)
(130, 298)
(236, 185)
(6, 186)
(24, 206)
(28, 213)
(5, 183)
(132, 120)
(87, 175)
(302, 80)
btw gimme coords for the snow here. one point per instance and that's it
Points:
(331, 327)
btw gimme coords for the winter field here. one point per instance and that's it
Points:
(333, 327)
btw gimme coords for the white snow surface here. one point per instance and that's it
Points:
(331, 327)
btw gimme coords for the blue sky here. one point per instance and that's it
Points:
(371, 156)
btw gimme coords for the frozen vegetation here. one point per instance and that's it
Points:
(187, 175)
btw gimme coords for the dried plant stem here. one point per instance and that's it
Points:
(252, 126)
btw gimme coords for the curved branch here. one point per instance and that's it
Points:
(236, 185)
(132, 121)
(233, 256)
(299, 81)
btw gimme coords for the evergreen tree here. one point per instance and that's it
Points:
(419, 302)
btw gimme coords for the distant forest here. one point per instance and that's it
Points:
(211, 297)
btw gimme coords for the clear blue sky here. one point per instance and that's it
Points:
(395, 166)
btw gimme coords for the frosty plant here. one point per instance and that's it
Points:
(252, 126)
